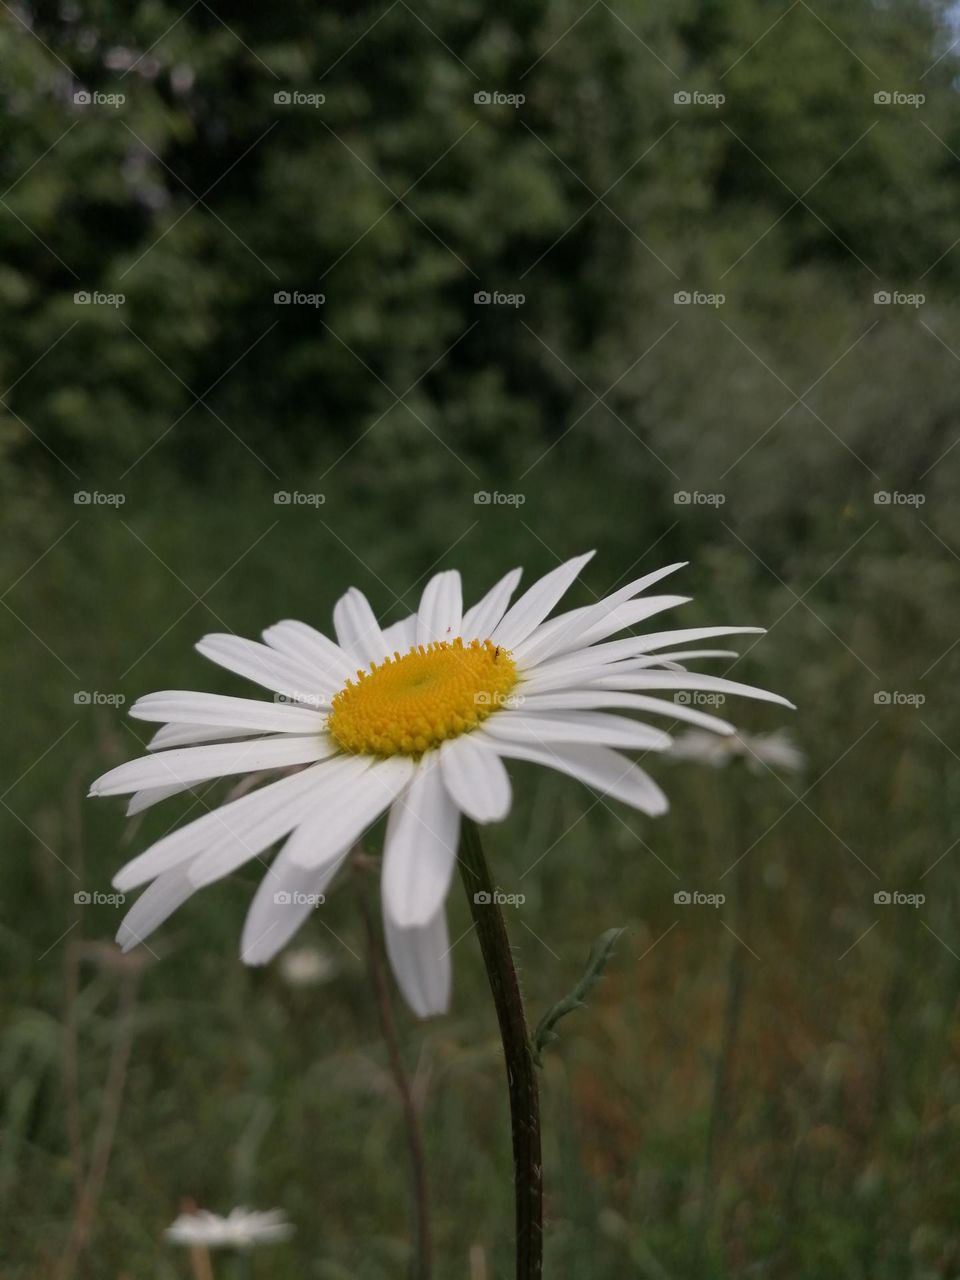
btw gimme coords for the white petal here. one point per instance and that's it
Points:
(359, 799)
(663, 639)
(567, 630)
(601, 768)
(249, 714)
(629, 615)
(196, 764)
(480, 620)
(591, 727)
(476, 778)
(441, 608)
(150, 796)
(312, 649)
(233, 818)
(689, 680)
(357, 628)
(153, 906)
(588, 699)
(232, 849)
(420, 959)
(286, 896)
(534, 605)
(401, 636)
(420, 848)
(262, 665)
(186, 735)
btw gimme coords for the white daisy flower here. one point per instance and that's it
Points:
(240, 1229)
(414, 719)
(760, 750)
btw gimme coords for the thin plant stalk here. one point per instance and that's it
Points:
(517, 1051)
(422, 1266)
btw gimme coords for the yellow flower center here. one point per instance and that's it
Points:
(412, 702)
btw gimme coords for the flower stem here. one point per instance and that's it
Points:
(421, 1266)
(521, 1072)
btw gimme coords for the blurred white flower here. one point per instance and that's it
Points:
(759, 750)
(306, 967)
(240, 1229)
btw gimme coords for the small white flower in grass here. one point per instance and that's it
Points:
(414, 720)
(240, 1229)
(760, 751)
(307, 967)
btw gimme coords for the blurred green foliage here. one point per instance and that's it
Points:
(596, 401)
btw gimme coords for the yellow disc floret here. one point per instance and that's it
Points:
(414, 701)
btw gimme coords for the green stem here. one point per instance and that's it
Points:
(518, 1056)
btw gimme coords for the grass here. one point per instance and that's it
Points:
(831, 1087)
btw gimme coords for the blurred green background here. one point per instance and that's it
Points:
(768, 1089)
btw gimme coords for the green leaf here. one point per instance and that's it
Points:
(600, 954)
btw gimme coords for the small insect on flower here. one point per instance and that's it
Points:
(240, 1229)
(414, 720)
